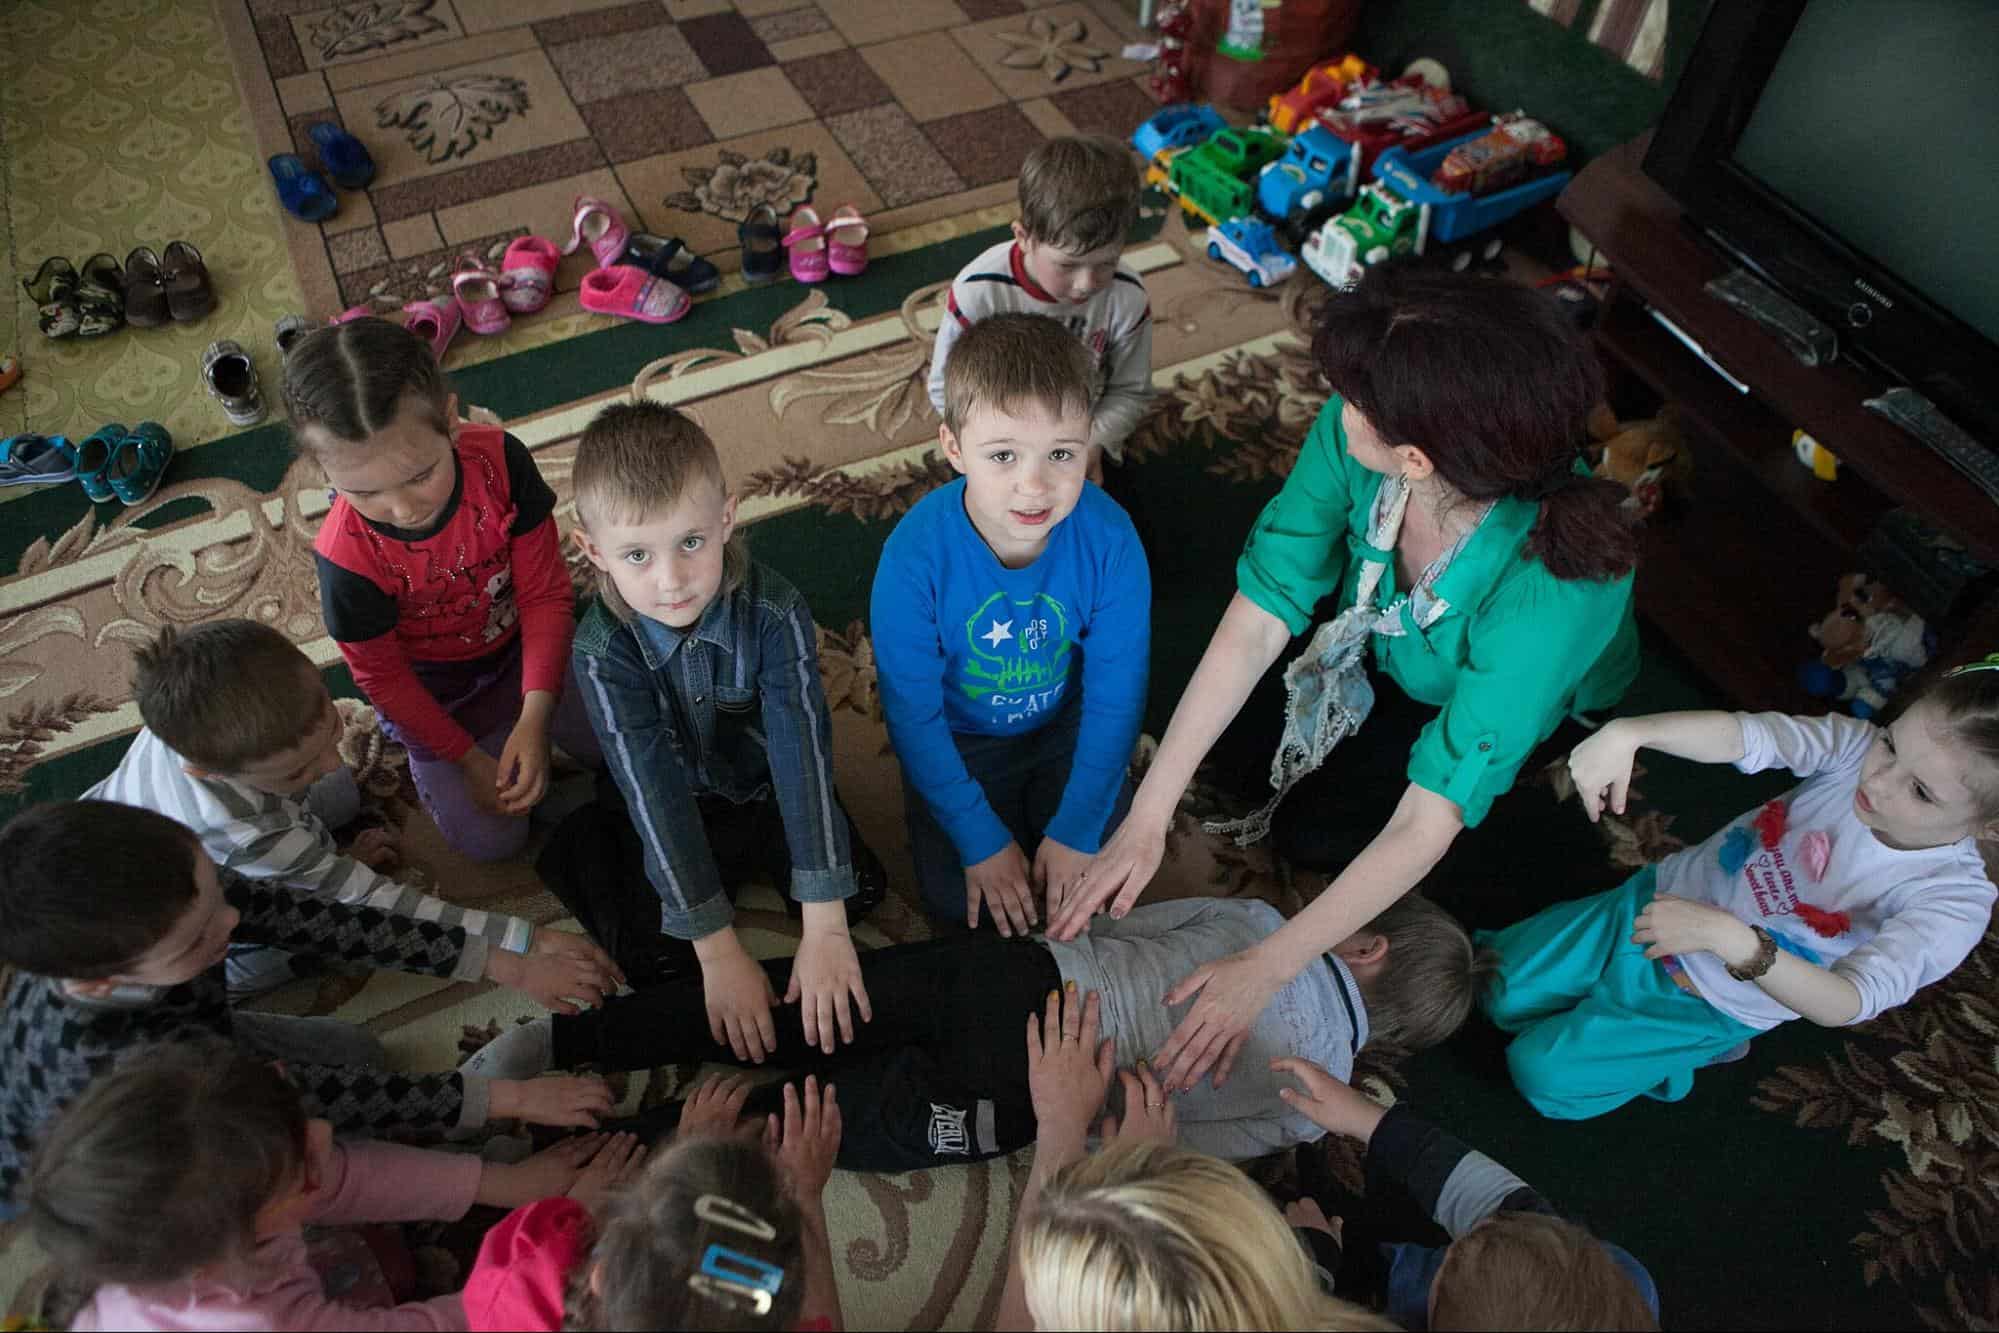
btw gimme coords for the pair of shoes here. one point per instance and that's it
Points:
(114, 463)
(174, 286)
(613, 288)
(837, 245)
(231, 378)
(668, 257)
(70, 304)
(305, 193)
(489, 298)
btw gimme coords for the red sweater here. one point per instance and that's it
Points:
(488, 569)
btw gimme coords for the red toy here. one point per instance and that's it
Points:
(1407, 113)
(1518, 144)
(1172, 79)
(1320, 90)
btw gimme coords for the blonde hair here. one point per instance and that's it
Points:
(1006, 360)
(1533, 1271)
(1079, 193)
(635, 461)
(1151, 1236)
(1433, 977)
(347, 381)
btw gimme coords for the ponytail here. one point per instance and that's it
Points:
(1584, 531)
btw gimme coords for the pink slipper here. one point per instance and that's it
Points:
(528, 274)
(352, 313)
(477, 289)
(633, 293)
(434, 320)
(598, 223)
(805, 245)
(847, 241)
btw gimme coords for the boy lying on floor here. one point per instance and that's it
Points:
(940, 1073)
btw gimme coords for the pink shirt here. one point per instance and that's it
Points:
(368, 1182)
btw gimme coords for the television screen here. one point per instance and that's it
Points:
(1880, 123)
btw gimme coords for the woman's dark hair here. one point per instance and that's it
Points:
(1492, 382)
(160, 1168)
(349, 380)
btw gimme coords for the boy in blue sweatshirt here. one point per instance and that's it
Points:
(1012, 625)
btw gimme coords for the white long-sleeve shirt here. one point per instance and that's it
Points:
(1889, 921)
(1115, 324)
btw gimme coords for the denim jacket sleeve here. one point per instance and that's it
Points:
(636, 734)
(799, 736)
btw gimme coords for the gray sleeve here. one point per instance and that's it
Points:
(1476, 1189)
(1127, 391)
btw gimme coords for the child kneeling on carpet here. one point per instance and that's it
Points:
(700, 671)
(116, 922)
(940, 1076)
(1012, 618)
(241, 744)
(180, 1185)
(441, 578)
(1835, 902)
(716, 1232)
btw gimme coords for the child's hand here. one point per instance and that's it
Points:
(1057, 868)
(807, 1140)
(1000, 882)
(482, 780)
(1328, 1103)
(1149, 1114)
(579, 949)
(1601, 769)
(1671, 924)
(557, 981)
(615, 1164)
(738, 995)
(377, 848)
(1068, 1071)
(521, 776)
(572, 1101)
(715, 1109)
(545, 1175)
(826, 976)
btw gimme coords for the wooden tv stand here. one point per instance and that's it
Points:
(1735, 576)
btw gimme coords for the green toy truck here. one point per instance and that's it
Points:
(1217, 180)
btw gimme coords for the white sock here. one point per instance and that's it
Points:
(525, 1050)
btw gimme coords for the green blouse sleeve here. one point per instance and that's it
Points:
(1526, 651)
(1297, 552)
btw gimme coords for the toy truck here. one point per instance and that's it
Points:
(1316, 176)
(1321, 88)
(1407, 113)
(1216, 181)
(1401, 212)
(1175, 128)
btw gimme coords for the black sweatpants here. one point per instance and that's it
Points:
(939, 1075)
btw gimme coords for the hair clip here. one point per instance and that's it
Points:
(1990, 662)
(721, 1212)
(730, 1277)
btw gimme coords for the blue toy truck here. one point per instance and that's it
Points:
(1316, 177)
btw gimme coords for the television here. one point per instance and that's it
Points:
(1848, 154)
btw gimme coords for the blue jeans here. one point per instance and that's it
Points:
(1023, 778)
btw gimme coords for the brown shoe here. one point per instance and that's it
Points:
(145, 291)
(190, 294)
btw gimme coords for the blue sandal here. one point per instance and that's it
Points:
(139, 461)
(668, 257)
(303, 191)
(29, 460)
(93, 458)
(345, 157)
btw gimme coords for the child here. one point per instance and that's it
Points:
(241, 744)
(1835, 902)
(940, 1076)
(116, 923)
(700, 671)
(1078, 199)
(181, 1183)
(716, 1233)
(441, 579)
(988, 593)
(1512, 1263)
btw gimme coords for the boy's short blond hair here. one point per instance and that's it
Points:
(635, 462)
(1432, 979)
(226, 694)
(1532, 1271)
(1008, 360)
(1079, 193)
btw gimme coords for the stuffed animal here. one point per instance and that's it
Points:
(1869, 643)
(1650, 458)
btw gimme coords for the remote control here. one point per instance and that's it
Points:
(1919, 417)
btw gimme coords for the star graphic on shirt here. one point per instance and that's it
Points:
(999, 633)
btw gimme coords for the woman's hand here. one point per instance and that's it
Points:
(1233, 993)
(1000, 882)
(1057, 868)
(1149, 1115)
(713, 1110)
(1333, 1106)
(1068, 1070)
(1601, 769)
(1115, 877)
(738, 995)
(826, 980)
(1670, 924)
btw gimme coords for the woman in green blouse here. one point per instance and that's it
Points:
(1442, 488)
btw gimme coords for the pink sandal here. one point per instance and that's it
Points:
(477, 290)
(528, 274)
(352, 313)
(633, 293)
(598, 223)
(805, 246)
(434, 320)
(847, 241)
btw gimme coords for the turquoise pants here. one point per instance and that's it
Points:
(1598, 1022)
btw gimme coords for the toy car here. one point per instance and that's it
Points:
(1316, 170)
(1515, 146)
(1408, 113)
(1251, 246)
(1323, 86)
(1176, 127)
(1215, 181)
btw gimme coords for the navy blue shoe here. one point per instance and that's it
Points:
(345, 157)
(303, 191)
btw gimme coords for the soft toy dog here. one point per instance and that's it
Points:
(1869, 643)
(1650, 458)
